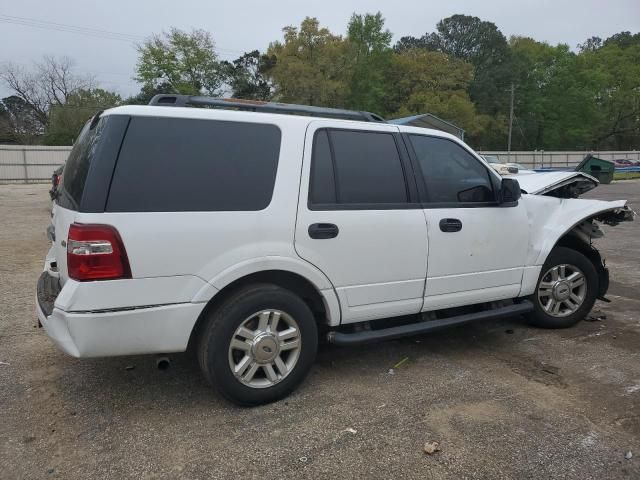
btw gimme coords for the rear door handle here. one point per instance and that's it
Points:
(321, 231)
(450, 225)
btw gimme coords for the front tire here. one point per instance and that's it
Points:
(258, 345)
(566, 290)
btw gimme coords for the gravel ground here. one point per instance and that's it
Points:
(503, 400)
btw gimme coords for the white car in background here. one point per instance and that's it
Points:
(273, 227)
(504, 168)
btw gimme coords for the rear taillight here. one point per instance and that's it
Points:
(96, 252)
(56, 179)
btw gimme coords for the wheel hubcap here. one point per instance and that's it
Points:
(265, 348)
(562, 290)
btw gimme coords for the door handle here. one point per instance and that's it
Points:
(321, 231)
(450, 225)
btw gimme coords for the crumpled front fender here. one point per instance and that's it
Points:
(551, 218)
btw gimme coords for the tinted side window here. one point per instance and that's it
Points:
(451, 174)
(174, 164)
(322, 188)
(77, 166)
(368, 168)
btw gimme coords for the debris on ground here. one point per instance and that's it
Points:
(628, 455)
(595, 317)
(509, 331)
(391, 371)
(130, 367)
(401, 362)
(351, 430)
(5, 363)
(431, 447)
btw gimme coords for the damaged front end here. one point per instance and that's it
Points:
(557, 184)
(557, 217)
(581, 238)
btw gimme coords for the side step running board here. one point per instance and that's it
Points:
(367, 336)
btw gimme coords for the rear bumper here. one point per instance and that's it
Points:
(139, 330)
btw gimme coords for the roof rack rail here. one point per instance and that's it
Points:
(262, 106)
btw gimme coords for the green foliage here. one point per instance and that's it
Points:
(65, 121)
(462, 72)
(185, 62)
(245, 76)
(615, 69)
(370, 50)
(422, 81)
(311, 66)
(482, 45)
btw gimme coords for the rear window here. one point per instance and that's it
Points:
(173, 164)
(78, 163)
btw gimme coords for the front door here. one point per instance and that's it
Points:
(477, 248)
(359, 220)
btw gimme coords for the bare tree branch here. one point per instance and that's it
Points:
(49, 83)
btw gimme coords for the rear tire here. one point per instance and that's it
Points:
(258, 345)
(566, 290)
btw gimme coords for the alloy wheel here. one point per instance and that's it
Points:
(265, 348)
(562, 290)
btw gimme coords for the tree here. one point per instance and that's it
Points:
(18, 122)
(245, 76)
(310, 66)
(370, 49)
(615, 72)
(147, 92)
(49, 83)
(65, 121)
(185, 62)
(623, 40)
(591, 44)
(555, 94)
(485, 47)
(428, 41)
(432, 82)
(479, 43)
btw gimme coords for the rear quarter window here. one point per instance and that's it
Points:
(173, 164)
(77, 166)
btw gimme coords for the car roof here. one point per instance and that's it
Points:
(255, 117)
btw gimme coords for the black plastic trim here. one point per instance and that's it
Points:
(363, 206)
(369, 336)
(172, 100)
(47, 291)
(98, 182)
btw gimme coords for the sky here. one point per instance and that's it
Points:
(239, 26)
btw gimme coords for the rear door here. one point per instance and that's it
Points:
(477, 248)
(359, 220)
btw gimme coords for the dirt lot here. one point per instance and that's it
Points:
(504, 400)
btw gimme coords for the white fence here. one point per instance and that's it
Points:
(34, 164)
(30, 163)
(542, 159)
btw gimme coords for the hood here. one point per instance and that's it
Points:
(556, 184)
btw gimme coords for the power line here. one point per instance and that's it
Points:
(91, 32)
(61, 27)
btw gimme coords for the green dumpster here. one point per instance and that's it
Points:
(597, 167)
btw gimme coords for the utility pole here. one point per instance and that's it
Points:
(510, 121)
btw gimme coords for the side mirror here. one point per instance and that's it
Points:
(509, 192)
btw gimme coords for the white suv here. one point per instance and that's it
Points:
(244, 229)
